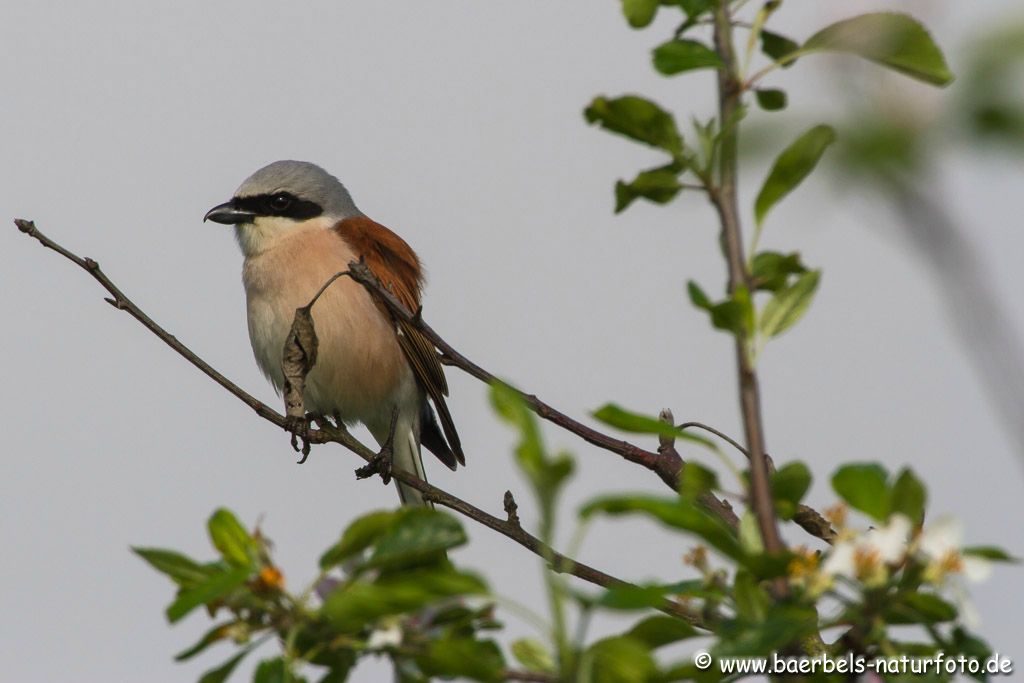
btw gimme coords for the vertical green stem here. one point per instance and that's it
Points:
(724, 198)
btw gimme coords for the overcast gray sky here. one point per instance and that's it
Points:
(458, 124)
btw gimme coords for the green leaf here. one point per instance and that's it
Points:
(637, 118)
(752, 601)
(657, 631)
(358, 603)
(478, 660)
(789, 484)
(534, 655)
(750, 534)
(776, 47)
(697, 296)
(679, 55)
(695, 480)
(908, 496)
(789, 305)
(183, 570)
(358, 536)
(272, 671)
(793, 165)
(546, 475)
(919, 608)
(771, 99)
(620, 659)
(643, 596)
(771, 270)
(658, 185)
(639, 13)
(990, 552)
(675, 512)
(893, 40)
(221, 673)
(418, 536)
(214, 635)
(636, 423)
(212, 589)
(863, 486)
(231, 539)
(782, 627)
(695, 8)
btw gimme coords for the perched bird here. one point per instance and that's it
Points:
(297, 226)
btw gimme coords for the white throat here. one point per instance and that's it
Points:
(266, 232)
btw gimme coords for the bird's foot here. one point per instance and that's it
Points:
(300, 429)
(382, 462)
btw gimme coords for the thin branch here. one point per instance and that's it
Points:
(725, 201)
(330, 434)
(665, 466)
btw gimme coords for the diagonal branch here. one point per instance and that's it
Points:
(330, 434)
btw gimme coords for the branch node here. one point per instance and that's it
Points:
(512, 510)
(91, 264)
(666, 442)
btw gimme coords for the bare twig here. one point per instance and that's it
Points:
(328, 433)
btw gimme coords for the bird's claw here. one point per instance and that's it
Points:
(299, 427)
(379, 464)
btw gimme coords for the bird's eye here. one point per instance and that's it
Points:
(280, 201)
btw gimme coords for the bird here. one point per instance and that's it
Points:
(297, 226)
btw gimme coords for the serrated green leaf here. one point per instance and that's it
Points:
(658, 631)
(789, 484)
(231, 539)
(358, 536)
(417, 536)
(358, 603)
(752, 601)
(750, 534)
(697, 296)
(789, 305)
(776, 47)
(183, 570)
(770, 270)
(908, 496)
(658, 185)
(639, 119)
(675, 512)
(639, 13)
(221, 673)
(783, 626)
(990, 552)
(679, 55)
(863, 486)
(478, 660)
(919, 608)
(893, 40)
(695, 8)
(533, 654)
(212, 589)
(620, 659)
(272, 671)
(695, 480)
(771, 99)
(636, 423)
(214, 635)
(791, 167)
(643, 596)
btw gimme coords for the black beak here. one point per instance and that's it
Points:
(228, 214)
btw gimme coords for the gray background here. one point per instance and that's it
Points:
(459, 125)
